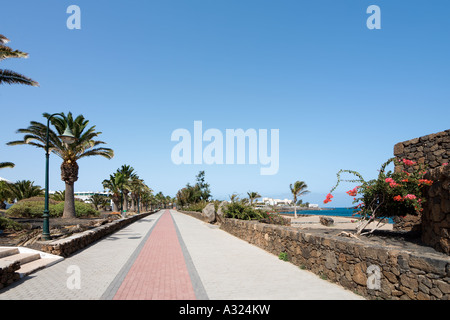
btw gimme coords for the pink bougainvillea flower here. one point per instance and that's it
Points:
(425, 182)
(328, 198)
(392, 182)
(408, 162)
(353, 192)
(410, 197)
(445, 164)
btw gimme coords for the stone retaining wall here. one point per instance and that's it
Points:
(65, 247)
(8, 273)
(435, 224)
(375, 271)
(432, 150)
(195, 214)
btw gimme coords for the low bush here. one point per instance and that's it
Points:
(8, 224)
(197, 207)
(35, 209)
(238, 210)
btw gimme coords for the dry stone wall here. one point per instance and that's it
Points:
(432, 150)
(434, 223)
(371, 269)
(8, 273)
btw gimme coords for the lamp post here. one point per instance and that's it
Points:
(68, 138)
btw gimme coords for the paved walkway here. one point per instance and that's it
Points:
(172, 256)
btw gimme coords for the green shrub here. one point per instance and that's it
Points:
(8, 224)
(30, 209)
(35, 209)
(237, 210)
(198, 207)
(82, 209)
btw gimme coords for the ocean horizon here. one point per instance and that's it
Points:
(337, 212)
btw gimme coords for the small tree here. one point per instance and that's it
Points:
(252, 196)
(391, 194)
(298, 189)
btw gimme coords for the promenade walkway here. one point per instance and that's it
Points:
(172, 256)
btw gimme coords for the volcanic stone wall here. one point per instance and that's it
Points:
(432, 150)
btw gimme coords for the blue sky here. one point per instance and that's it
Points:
(340, 94)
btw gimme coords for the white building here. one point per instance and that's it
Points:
(276, 202)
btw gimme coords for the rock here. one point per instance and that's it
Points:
(221, 209)
(359, 274)
(210, 213)
(326, 221)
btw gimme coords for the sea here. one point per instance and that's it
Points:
(337, 212)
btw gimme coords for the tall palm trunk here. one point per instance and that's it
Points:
(69, 174)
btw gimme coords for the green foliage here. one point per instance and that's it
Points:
(283, 256)
(198, 207)
(24, 189)
(59, 195)
(192, 194)
(391, 194)
(238, 210)
(35, 209)
(8, 224)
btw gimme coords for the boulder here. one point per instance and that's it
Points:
(326, 221)
(220, 210)
(210, 213)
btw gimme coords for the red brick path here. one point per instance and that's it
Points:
(159, 272)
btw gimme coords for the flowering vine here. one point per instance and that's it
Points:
(391, 194)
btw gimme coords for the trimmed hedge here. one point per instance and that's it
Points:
(35, 209)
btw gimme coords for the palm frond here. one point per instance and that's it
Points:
(11, 77)
(6, 52)
(7, 165)
(3, 39)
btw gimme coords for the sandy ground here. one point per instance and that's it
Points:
(342, 223)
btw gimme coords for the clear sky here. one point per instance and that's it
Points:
(340, 94)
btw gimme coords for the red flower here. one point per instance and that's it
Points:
(426, 182)
(408, 162)
(328, 198)
(353, 192)
(410, 197)
(398, 198)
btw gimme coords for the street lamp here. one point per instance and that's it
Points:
(68, 138)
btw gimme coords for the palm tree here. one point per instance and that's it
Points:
(25, 189)
(59, 195)
(137, 188)
(97, 200)
(114, 185)
(84, 146)
(6, 165)
(128, 174)
(234, 198)
(8, 76)
(298, 190)
(252, 196)
(5, 194)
